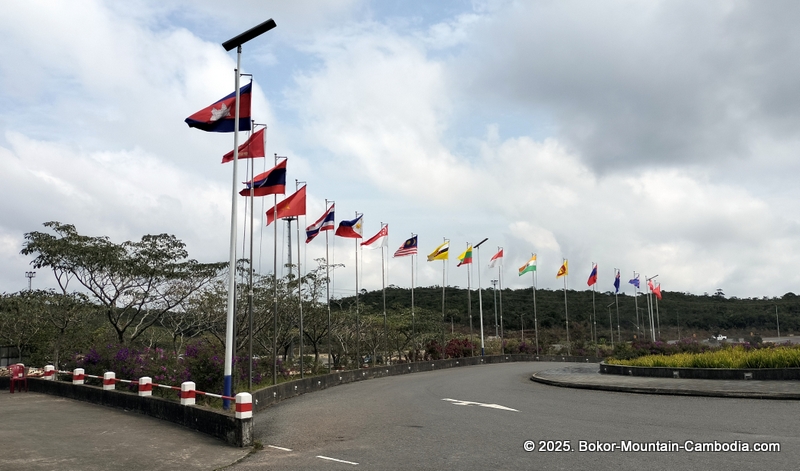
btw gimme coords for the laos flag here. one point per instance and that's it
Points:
(220, 116)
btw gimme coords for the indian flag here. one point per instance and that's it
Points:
(530, 266)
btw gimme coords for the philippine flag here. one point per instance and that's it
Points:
(350, 229)
(220, 116)
(324, 223)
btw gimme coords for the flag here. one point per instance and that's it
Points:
(220, 116)
(616, 283)
(252, 148)
(657, 291)
(441, 252)
(650, 285)
(293, 205)
(378, 240)
(592, 276)
(324, 223)
(563, 271)
(466, 257)
(498, 258)
(635, 281)
(350, 229)
(271, 182)
(409, 247)
(530, 266)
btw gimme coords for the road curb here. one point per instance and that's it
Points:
(666, 391)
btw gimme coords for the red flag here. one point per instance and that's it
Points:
(293, 205)
(657, 291)
(650, 284)
(252, 148)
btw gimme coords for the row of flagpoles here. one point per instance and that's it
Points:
(217, 118)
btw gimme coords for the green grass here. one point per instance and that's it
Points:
(734, 357)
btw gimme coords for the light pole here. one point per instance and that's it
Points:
(236, 43)
(31, 274)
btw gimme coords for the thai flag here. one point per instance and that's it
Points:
(324, 223)
(220, 116)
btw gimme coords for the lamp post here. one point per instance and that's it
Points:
(232, 43)
(31, 274)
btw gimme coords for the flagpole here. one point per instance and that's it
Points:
(535, 319)
(299, 288)
(383, 282)
(566, 313)
(328, 294)
(500, 279)
(636, 305)
(658, 321)
(227, 383)
(413, 326)
(480, 299)
(444, 265)
(358, 320)
(250, 283)
(616, 301)
(594, 316)
(469, 306)
(275, 283)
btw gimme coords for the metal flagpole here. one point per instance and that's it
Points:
(413, 326)
(616, 300)
(611, 325)
(500, 279)
(480, 299)
(328, 294)
(299, 288)
(636, 306)
(227, 381)
(250, 283)
(535, 319)
(444, 281)
(469, 306)
(383, 282)
(275, 283)
(358, 319)
(594, 316)
(566, 313)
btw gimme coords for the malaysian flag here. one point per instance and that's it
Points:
(409, 247)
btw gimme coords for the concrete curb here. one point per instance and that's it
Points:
(665, 391)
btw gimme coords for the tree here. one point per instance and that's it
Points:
(21, 318)
(136, 282)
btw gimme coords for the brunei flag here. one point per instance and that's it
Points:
(441, 252)
(220, 116)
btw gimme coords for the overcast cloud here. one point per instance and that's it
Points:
(656, 137)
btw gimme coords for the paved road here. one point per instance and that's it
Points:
(42, 432)
(412, 422)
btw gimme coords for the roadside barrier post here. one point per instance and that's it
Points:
(49, 372)
(77, 376)
(109, 380)
(145, 386)
(244, 405)
(187, 393)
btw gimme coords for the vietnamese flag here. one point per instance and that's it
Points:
(220, 116)
(254, 147)
(293, 205)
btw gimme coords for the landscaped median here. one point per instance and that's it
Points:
(736, 362)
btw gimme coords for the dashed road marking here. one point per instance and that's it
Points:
(279, 448)
(334, 459)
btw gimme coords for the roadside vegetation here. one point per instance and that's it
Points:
(736, 356)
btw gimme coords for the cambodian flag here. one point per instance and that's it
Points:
(220, 116)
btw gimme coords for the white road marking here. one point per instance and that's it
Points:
(458, 402)
(334, 459)
(279, 448)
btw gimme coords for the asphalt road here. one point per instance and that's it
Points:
(415, 422)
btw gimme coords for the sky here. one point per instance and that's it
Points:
(656, 137)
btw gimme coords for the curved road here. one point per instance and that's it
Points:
(479, 417)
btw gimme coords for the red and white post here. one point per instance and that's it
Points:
(49, 372)
(244, 406)
(187, 393)
(109, 381)
(77, 376)
(145, 386)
